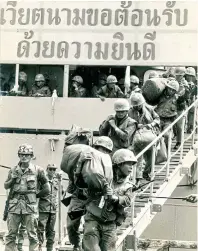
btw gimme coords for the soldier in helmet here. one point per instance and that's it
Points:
(22, 90)
(167, 106)
(190, 78)
(77, 90)
(47, 209)
(119, 127)
(110, 90)
(23, 181)
(101, 82)
(40, 88)
(147, 118)
(104, 145)
(104, 214)
(134, 85)
(183, 96)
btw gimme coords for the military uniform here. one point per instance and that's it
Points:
(23, 205)
(135, 90)
(123, 136)
(145, 117)
(80, 93)
(110, 93)
(47, 214)
(100, 234)
(167, 110)
(44, 91)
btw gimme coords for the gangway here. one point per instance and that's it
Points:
(146, 204)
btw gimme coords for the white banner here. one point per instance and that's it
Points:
(99, 33)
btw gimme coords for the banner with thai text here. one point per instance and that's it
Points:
(99, 33)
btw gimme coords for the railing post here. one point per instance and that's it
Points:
(59, 210)
(182, 139)
(169, 153)
(152, 168)
(194, 124)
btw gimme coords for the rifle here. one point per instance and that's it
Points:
(5, 213)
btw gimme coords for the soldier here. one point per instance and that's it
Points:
(77, 90)
(134, 85)
(110, 90)
(146, 117)
(22, 90)
(101, 82)
(103, 215)
(190, 77)
(40, 88)
(183, 96)
(47, 209)
(120, 127)
(79, 197)
(23, 180)
(167, 106)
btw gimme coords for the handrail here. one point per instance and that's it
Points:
(166, 130)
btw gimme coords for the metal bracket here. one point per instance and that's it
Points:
(131, 242)
(184, 170)
(52, 144)
(156, 208)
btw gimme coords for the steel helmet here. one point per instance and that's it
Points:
(105, 142)
(134, 79)
(173, 84)
(121, 105)
(137, 99)
(39, 77)
(25, 149)
(123, 155)
(190, 71)
(52, 166)
(111, 79)
(180, 71)
(78, 79)
(153, 74)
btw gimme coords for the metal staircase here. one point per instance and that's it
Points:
(166, 177)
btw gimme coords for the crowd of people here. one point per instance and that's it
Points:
(121, 137)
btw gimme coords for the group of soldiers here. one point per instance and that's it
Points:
(32, 202)
(40, 87)
(33, 192)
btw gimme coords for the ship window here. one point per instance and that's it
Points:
(7, 78)
(53, 74)
(92, 77)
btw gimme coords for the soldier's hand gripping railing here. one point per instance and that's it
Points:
(170, 154)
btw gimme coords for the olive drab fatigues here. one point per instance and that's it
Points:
(145, 117)
(135, 90)
(167, 110)
(77, 203)
(44, 91)
(183, 95)
(124, 136)
(113, 93)
(23, 206)
(100, 235)
(80, 93)
(47, 214)
(192, 94)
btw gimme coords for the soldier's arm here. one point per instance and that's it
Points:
(156, 118)
(125, 200)
(44, 184)
(127, 133)
(9, 181)
(120, 93)
(104, 128)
